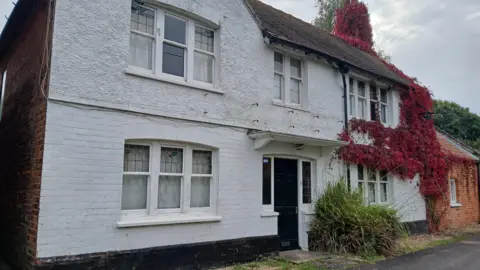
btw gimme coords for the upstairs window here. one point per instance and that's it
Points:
(288, 85)
(169, 45)
(369, 102)
(453, 193)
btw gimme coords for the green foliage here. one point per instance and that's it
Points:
(458, 122)
(344, 224)
(326, 13)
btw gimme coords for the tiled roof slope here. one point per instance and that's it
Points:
(450, 146)
(293, 30)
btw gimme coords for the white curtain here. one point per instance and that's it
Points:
(200, 192)
(203, 67)
(134, 192)
(169, 188)
(141, 49)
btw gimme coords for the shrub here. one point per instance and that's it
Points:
(344, 224)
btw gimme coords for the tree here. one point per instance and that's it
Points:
(326, 13)
(458, 122)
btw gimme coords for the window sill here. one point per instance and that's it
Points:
(269, 214)
(167, 220)
(290, 106)
(133, 71)
(455, 205)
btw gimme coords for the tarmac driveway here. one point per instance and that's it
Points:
(464, 255)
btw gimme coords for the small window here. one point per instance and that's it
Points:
(278, 76)
(307, 181)
(351, 98)
(373, 103)
(170, 179)
(295, 80)
(383, 106)
(453, 192)
(288, 90)
(174, 46)
(267, 181)
(376, 187)
(362, 101)
(204, 54)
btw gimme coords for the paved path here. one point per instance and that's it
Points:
(464, 255)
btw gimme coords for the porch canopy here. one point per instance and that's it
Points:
(263, 138)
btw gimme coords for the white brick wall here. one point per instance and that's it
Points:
(82, 181)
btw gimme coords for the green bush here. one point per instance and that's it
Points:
(344, 224)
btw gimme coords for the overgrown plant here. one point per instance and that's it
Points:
(344, 224)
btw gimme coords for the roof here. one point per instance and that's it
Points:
(285, 27)
(453, 146)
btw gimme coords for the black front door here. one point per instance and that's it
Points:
(286, 202)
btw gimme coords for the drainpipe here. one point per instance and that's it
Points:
(344, 70)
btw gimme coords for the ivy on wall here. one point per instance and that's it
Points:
(412, 147)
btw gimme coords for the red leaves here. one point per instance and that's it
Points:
(412, 147)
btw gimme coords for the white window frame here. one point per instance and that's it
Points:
(353, 169)
(366, 98)
(189, 47)
(287, 77)
(153, 179)
(452, 186)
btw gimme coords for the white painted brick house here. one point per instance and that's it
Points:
(180, 126)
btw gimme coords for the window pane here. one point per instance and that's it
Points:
(136, 158)
(352, 105)
(141, 51)
(277, 86)
(267, 181)
(350, 82)
(360, 187)
(372, 175)
(307, 182)
(200, 192)
(171, 160)
(203, 67)
(203, 39)
(373, 110)
(201, 162)
(278, 62)
(173, 60)
(373, 92)
(361, 89)
(360, 172)
(453, 191)
(362, 108)
(383, 114)
(142, 19)
(383, 192)
(371, 192)
(384, 176)
(295, 67)
(295, 91)
(383, 96)
(169, 190)
(175, 29)
(134, 192)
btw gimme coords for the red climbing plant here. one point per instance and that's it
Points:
(412, 147)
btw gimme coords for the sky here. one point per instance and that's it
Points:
(437, 41)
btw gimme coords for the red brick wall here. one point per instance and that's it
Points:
(22, 132)
(467, 196)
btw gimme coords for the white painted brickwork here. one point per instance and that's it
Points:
(82, 182)
(83, 156)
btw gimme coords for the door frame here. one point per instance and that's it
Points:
(302, 242)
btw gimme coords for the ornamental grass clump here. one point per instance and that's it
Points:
(344, 224)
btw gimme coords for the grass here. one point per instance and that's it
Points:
(417, 243)
(278, 263)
